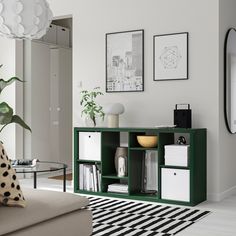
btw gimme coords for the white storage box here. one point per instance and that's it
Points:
(51, 35)
(175, 184)
(90, 146)
(63, 36)
(176, 155)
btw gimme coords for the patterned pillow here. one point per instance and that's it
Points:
(10, 191)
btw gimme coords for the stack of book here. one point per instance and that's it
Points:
(24, 163)
(118, 188)
(89, 177)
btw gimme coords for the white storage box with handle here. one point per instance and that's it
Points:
(63, 36)
(51, 35)
(90, 146)
(177, 155)
(175, 184)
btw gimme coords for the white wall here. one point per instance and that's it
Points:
(7, 58)
(92, 19)
(227, 141)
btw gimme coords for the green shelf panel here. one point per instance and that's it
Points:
(139, 129)
(176, 202)
(88, 192)
(114, 176)
(105, 194)
(175, 167)
(89, 161)
(143, 195)
(142, 149)
(110, 194)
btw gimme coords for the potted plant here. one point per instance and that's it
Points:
(6, 112)
(90, 108)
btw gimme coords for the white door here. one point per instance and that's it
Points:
(61, 105)
(48, 102)
(36, 100)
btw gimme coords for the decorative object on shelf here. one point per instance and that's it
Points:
(150, 173)
(122, 166)
(113, 111)
(229, 80)
(24, 19)
(183, 116)
(170, 56)
(6, 112)
(91, 109)
(121, 161)
(181, 140)
(147, 141)
(125, 61)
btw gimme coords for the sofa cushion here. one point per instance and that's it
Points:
(42, 205)
(10, 192)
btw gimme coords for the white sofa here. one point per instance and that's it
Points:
(47, 213)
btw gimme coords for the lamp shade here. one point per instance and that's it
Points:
(114, 109)
(24, 19)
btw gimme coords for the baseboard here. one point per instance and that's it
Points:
(217, 197)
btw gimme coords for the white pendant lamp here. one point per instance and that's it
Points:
(24, 19)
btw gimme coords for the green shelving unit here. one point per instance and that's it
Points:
(110, 139)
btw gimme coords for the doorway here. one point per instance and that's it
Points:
(47, 103)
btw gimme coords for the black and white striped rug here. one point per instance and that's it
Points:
(117, 218)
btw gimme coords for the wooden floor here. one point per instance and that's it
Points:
(222, 221)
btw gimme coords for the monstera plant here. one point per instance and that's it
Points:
(6, 112)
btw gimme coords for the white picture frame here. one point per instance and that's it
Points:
(170, 56)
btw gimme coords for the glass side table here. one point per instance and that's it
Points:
(43, 167)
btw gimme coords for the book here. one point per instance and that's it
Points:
(81, 176)
(91, 180)
(99, 180)
(89, 177)
(95, 178)
(118, 188)
(24, 163)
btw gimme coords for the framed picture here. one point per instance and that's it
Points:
(124, 61)
(170, 56)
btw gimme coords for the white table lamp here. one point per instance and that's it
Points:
(113, 111)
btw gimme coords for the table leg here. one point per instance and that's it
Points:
(64, 180)
(35, 179)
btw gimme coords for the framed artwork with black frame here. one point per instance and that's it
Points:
(170, 56)
(125, 61)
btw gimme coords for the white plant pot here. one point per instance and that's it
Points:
(89, 122)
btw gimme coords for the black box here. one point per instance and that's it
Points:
(183, 117)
